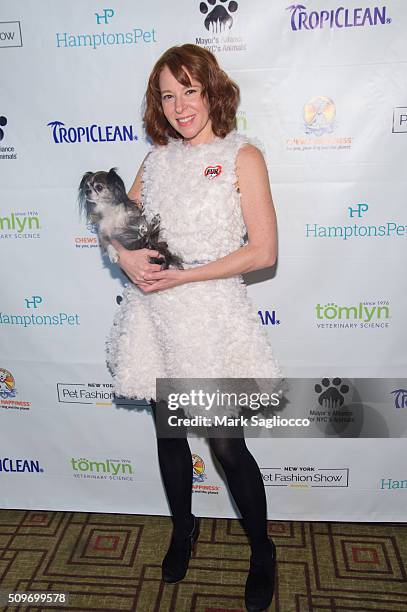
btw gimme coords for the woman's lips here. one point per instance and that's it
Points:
(187, 121)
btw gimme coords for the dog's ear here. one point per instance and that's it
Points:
(116, 186)
(83, 208)
(85, 177)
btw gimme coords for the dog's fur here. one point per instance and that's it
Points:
(103, 200)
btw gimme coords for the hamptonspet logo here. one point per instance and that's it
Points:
(363, 315)
(9, 465)
(103, 469)
(20, 225)
(388, 229)
(391, 483)
(337, 18)
(94, 40)
(268, 318)
(400, 398)
(62, 134)
(32, 320)
(305, 477)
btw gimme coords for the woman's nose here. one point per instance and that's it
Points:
(179, 105)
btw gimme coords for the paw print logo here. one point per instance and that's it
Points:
(219, 18)
(331, 393)
(3, 122)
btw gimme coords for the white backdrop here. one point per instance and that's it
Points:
(325, 90)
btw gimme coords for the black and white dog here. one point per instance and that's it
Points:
(103, 200)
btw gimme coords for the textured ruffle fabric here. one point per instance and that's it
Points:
(203, 329)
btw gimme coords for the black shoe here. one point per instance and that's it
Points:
(259, 589)
(175, 563)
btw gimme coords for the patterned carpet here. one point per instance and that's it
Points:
(111, 562)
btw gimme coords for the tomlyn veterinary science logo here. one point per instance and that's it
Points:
(103, 469)
(337, 18)
(101, 38)
(363, 315)
(20, 225)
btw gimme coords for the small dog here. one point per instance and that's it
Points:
(103, 200)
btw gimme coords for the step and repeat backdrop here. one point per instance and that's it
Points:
(324, 88)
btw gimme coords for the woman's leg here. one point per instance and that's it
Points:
(174, 457)
(246, 485)
(175, 461)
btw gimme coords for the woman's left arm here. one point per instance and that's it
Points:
(260, 220)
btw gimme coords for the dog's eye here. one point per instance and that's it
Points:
(98, 187)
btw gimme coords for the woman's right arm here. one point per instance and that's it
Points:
(136, 263)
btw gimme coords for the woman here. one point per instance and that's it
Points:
(211, 189)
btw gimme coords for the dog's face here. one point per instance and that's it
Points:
(99, 191)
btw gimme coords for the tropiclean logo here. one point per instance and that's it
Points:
(341, 17)
(91, 133)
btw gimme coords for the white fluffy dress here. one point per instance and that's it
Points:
(205, 329)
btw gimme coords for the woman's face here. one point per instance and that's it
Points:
(185, 109)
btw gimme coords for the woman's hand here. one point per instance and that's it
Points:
(136, 265)
(164, 279)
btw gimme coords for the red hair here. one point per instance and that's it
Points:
(222, 93)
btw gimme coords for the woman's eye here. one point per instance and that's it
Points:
(191, 91)
(166, 96)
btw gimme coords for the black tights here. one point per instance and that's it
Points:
(243, 477)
